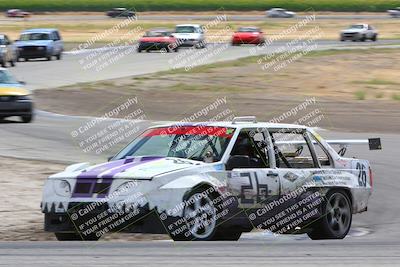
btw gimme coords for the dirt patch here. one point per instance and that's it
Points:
(21, 219)
(355, 91)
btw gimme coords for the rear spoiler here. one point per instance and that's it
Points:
(373, 143)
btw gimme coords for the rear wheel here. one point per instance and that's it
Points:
(374, 38)
(3, 64)
(12, 63)
(58, 56)
(336, 217)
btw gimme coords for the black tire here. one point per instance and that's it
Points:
(27, 118)
(336, 218)
(74, 237)
(195, 228)
(58, 57)
(48, 58)
(139, 50)
(3, 64)
(363, 38)
(374, 38)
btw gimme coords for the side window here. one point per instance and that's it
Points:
(250, 146)
(58, 35)
(322, 156)
(292, 149)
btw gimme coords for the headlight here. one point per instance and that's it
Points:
(125, 189)
(62, 188)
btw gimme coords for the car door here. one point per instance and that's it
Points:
(254, 184)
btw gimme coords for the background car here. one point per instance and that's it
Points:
(120, 12)
(359, 32)
(8, 52)
(395, 13)
(248, 35)
(189, 35)
(158, 39)
(17, 13)
(15, 100)
(40, 43)
(279, 13)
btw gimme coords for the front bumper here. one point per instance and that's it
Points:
(154, 46)
(33, 52)
(81, 219)
(350, 36)
(15, 108)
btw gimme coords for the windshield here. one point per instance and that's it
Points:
(188, 142)
(34, 36)
(3, 41)
(157, 34)
(356, 27)
(185, 29)
(5, 77)
(248, 29)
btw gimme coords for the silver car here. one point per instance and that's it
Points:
(8, 52)
(279, 13)
(359, 32)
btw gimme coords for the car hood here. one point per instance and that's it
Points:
(246, 34)
(352, 30)
(12, 90)
(157, 39)
(142, 168)
(186, 35)
(33, 43)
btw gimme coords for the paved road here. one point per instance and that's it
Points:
(242, 253)
(76, 68)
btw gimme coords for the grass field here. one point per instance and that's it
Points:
(200, 5)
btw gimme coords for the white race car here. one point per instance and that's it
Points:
(213, 181)
(279, 13)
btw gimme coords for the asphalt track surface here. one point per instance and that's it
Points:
(75, 67)
(375, 238)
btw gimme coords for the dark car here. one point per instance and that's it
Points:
(15, 100)
(17, 13)
(120, 12)
(158, 39)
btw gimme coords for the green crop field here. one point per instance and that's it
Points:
(200, 5)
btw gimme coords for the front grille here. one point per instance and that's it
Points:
(33, 48)
(6, 98)
(92, 188)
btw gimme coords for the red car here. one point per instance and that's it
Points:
(158, 40)
(248, 35)
(17, 13)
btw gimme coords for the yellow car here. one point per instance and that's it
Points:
(15, 100)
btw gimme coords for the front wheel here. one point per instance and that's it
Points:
(27, 118)
(336, 217)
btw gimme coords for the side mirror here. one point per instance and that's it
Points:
(238, 161)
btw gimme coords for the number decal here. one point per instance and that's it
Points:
(362, 175)
(261, 190)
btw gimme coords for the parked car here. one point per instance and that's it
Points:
(40, 43)
(17, 13)
(190, 35)
(15, 100)
(395, 13)
(194, 181)
(158, 39)
(8, 52)
(359, 32)
(248, 35)
(279, 13)
(120, 12)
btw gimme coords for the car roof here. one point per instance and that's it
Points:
(39, 30)
(238, 125)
